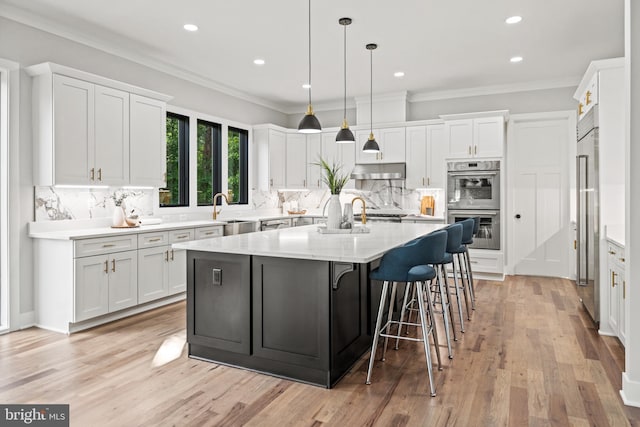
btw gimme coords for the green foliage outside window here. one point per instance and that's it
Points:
(205, 163)
(234, 167)
(170, 195)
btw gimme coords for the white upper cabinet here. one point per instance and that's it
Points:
(314, 153)
(277, 159)
(111, 136)
(475, 137)
(343, 154)
(148, 141)
(391, 142)
(296, 160)
(89, 130)
(425, 153)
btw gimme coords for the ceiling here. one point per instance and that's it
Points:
(444, 47)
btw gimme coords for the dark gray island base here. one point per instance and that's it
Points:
(300, 319)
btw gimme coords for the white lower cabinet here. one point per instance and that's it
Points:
(617, 287)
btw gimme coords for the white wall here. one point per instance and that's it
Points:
(328, 119)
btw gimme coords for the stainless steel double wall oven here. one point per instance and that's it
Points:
(473, 190)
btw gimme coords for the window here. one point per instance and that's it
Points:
(238, 161)
(209, 162)
(176, 193)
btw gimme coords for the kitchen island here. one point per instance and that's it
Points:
(293, 302)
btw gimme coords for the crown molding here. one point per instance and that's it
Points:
(594, 67)
(39, 22)
(494, 90)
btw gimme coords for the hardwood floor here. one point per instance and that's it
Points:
(530, 356)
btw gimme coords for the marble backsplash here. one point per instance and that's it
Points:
(53, 204)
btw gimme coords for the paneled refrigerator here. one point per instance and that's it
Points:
(588, 214)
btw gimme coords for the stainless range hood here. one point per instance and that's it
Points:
(380, 171)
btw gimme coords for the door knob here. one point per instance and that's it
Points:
(517, 216)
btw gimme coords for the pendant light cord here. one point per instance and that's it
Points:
(371, 94)
(345, 72)
(309, 52)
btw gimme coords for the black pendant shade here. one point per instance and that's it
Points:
(371, 146)
(345, 135)
(309, 123)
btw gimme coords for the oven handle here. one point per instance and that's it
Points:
(474, 213)
(474, 173)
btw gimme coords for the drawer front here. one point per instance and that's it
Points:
(487, 263)
(149, 240)
(208, 232)
(184, 235)
(616, 254)
(104, 245)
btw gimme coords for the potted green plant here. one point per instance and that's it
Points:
(335, 181)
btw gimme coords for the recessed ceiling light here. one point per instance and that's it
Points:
(190, 27)
(398, 74)
(513, 19)
(516, 59)
(306, 86)
(258, 61)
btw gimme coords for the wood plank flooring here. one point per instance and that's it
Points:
(530, 356)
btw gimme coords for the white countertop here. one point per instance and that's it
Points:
(307, 243)
(615, 233)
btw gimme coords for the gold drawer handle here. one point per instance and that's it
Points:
(209, 233)
(621, 259)
(182, 236)
(108, 245)
(157, 239)
(113, 265)
(106, 266)
(613, 279)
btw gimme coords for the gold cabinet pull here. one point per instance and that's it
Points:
(106, 266)
(209, 233)
(157, 239)
(423, 180)
(621, 259)
(92, 174)
(182, 236)
(108, 245)
(469, 150)
(428, 181)
(624, 289)
(100, 174)
(613, 279)
(612, 252)
(575, 245)
(271, 182)
(166, 256)
(113, 265)
(171, 254)
(475, 149)
(580, 109)
(588, 98)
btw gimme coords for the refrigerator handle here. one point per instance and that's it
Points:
(581, 159)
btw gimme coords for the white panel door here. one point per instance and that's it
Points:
(123, 280)
(314, 153)
(436, 155)
(296, 160)
(91, 287)
(177, 271)
(541, 240)
(416, 157)
(147, 142)
(153, 270)
(73, 130)
(111, 136)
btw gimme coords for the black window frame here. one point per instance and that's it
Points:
(243, 198)
(183, 161)
(216, 167)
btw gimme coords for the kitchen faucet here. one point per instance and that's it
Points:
(216, 212)
(363, 213)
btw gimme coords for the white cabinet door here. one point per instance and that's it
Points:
(91, 287)
(416, 157)
(177, 271)
(331, 151)
(123, 280)
(459, 135)
(277, 159)
(436, 155)
(296, 160)
(614, 287)
(147, 141)
(111, 136)
(392, 149)
(153, 270)
(488, 137)
(314, 153)
(73, 130)
(348, 155)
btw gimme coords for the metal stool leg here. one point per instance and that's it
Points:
(455, 284)
(376, 333)
(472, 290)
(465, 283)
(425, 337)
(432, 324)
(445, 316)
(448, 299)
(392, 302)
(404, 308)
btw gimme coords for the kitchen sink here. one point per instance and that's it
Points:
(236, 226)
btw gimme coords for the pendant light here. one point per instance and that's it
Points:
(309, 123)
(371, 146)
(344, 134)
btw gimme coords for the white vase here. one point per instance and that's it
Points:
(334, 212)
(118, 218)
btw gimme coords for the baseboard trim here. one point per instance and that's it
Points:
(630, 392)
(27, 320)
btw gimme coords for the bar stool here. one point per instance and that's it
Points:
(406, 264)
(460, 252)
(454, 244)
(466, 241)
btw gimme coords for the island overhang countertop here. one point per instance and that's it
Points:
(307, 243)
